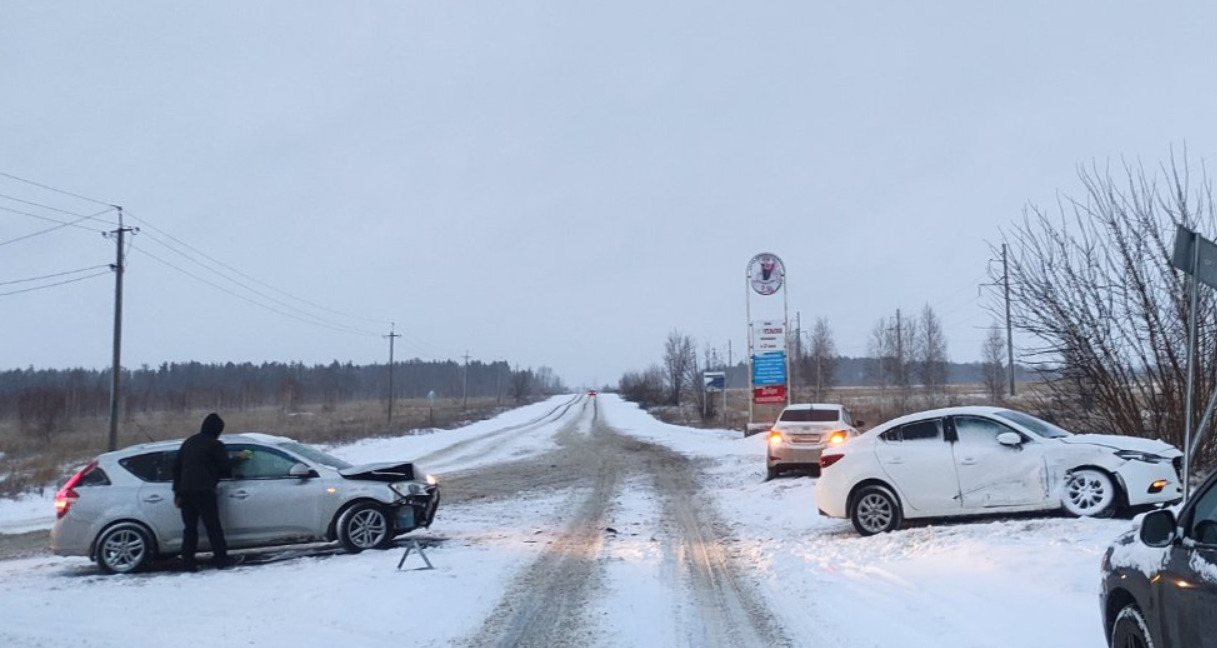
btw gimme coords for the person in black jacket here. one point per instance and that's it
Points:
(200, 464)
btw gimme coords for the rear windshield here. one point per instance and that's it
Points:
(810, 415)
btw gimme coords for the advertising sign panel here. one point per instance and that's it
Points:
(769, 368)
(769, 395)
(715, 380)
(768, 336)
(766, 273)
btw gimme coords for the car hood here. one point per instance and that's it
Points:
(1117, 442)
(388, 471)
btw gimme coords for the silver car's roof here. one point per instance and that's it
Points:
(171, 444)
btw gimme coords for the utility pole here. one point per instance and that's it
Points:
(465, 384)
(1005, 273)
(393, 335)
(116, 365)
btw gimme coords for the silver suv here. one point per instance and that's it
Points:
(119, 509)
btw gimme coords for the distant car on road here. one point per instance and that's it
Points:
(974, 460)
(802, 432)
(591, 392)
(1159, 580)
(119, 509)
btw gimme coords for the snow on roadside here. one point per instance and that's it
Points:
(986, 583)
(976, 583)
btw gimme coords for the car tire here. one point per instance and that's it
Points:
(365, 525)
(772, 472)
(124, 548)
(1089, 493)
(1130, 629)
(875, 509)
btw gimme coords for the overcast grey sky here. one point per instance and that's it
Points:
(552, 183)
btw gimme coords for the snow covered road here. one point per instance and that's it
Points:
(584, 522)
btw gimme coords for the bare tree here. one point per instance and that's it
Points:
(679, 354)
(522, 383)
(993, 369)
(930, 352)
(645, 388)
(821, 361)
(892, 341)
(1095, 287)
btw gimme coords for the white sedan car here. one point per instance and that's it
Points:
(975, 460)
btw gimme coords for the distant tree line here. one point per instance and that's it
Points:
(40, 397)
(907, 360)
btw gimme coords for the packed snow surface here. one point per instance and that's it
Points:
(980, 583)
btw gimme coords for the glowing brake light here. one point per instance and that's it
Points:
(828, 460)
(837, 438)
(66, 496)
(776, 438)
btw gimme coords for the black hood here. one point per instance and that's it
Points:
(213, 425)
(384, 472)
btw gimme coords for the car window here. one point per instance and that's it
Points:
(151, 466)
(803, 415)
(1036, 425)
(977, 431)
(259, 462)
(922, 431)
(314, 455)
(892, 435)
(1201, 525)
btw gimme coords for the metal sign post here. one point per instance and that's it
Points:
(1196, 256)
(765, 275)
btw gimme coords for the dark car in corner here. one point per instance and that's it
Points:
(1159, 585)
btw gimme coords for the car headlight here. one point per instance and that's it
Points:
(406, 489)
(1136, 455)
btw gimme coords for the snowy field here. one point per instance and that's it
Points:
(978, 584)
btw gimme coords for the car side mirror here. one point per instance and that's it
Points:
(1158, 528)
(302, 471)
(1011, 439)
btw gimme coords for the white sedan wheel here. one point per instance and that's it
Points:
(1089, 493)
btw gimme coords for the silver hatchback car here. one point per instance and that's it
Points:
(119, 509)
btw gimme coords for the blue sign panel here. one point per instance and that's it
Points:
(769, 368)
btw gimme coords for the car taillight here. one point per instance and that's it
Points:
(828, 460)
(838, 437)
(66, 495)
(776, 437)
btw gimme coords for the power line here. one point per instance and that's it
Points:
(310, 320)
(59, 191)
(65, 212)
(49, 219)
(61, 283)
(52, 276)
(52, 229)
(291, 307)
(215, 261)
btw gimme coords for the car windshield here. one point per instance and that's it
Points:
(1039, 426)
(810, 415)
(315, 455)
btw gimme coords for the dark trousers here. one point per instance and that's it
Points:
(198, 505)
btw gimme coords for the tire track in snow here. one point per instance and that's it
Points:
(549, 603)
(470, 448)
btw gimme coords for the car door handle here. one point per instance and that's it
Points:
(895, 460)
(239, 494)
(968, 461)
(153, 499)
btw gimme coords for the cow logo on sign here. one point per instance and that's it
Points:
(766, 273)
